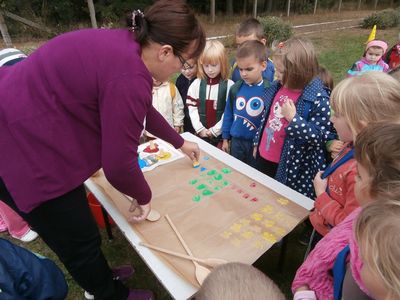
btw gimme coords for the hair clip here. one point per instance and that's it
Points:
(136, 13)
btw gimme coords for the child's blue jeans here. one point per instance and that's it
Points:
(243, 150)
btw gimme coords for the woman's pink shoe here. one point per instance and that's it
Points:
(123, 272)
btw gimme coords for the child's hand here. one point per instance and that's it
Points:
(336, 146)
(225, 146)
(178, 129)
(203, 133)
(209, 133)
(254, 151)
(288, 110)
(320, 184)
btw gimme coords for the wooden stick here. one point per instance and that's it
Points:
(179, 235)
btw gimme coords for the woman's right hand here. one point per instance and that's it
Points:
(144, 212)
(191, 149)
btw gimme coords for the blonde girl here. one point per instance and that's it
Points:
(377, 152)
(207, 94)
(377, 232)
(290, 145)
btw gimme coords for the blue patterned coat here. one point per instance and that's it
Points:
(303, 153)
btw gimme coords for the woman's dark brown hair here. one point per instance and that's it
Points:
(170, 22)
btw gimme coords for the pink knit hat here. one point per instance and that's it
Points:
(377, 43)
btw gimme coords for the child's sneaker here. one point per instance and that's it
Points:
(28, 237)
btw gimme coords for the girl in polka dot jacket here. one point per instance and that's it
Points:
(290, 146)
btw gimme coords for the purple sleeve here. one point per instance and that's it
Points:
(123, 107)
(158, 126)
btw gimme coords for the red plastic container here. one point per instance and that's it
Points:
(95, 207)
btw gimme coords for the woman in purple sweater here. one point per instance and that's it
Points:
(77, 104)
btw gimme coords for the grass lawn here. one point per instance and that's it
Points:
(337, 51)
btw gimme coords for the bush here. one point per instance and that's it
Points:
(275, 29)
(384, 19)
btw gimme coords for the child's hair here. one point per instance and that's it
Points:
(169, 23)
(252, 48)
(395, 73)
(250, 26)
(378, 44)
(377, 232)
(299, 61)
(214, 53)
(370, 97)
(236, 281)
(377, 149)
(326, 77)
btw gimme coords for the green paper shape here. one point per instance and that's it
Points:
(193, 181)
(212, 172)
(196, 198)
(201, 186)
(226, 170)
(207, 192)
(218, 177)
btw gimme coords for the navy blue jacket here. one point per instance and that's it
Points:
(24, 275)
(303, 153)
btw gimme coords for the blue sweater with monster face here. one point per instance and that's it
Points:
(242, 116)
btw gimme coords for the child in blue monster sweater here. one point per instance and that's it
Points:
(245, 106)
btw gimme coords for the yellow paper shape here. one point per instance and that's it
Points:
(248, 234)
(269, 223)
(236, 242)
(269, 237)
(257, 217)
(236, 227)
(282, 201)
(267, 209)
(244, 222)
(259, 244)
(226, 234)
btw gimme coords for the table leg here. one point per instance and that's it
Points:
(282, 254)
(107, 223)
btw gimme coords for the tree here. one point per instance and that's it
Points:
(4, 31)
(92, 13)
(229, 7)
(212, 11)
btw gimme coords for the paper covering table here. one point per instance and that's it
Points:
(223, 209)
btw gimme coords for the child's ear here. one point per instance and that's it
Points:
(264, 41)
(164, 52)
(263, 65)
(363, 124)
